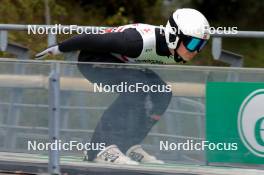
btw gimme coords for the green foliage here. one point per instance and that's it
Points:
(246, 14)
(27, 11)
(118, 18)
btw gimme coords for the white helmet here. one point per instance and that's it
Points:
(189, 26)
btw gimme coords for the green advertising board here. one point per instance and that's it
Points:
(235, 114)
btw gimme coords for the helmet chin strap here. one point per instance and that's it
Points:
(178, 58)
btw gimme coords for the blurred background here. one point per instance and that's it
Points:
(244, 14)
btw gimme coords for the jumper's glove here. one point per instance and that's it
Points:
(53, 50)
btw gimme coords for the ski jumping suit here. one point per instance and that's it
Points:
(131, 116)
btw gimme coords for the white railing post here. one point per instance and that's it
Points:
(54, 116)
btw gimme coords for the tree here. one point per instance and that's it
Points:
(235, 12)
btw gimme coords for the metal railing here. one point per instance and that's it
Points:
(56, 82)
(235, 60)
(239, 34)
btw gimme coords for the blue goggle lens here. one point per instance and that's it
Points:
(196, 44)
(193, 44)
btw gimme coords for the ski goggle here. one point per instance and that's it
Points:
(192, 44)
